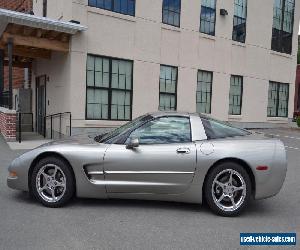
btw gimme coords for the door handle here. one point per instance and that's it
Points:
(183, 151)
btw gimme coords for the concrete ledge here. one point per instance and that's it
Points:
(7, 111)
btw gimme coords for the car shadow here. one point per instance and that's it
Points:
(24, 197)
(254, 209)
(143, 204)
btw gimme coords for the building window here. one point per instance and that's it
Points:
(109, 89)
(208, 17)
(204, 91)
(239, 21)
(235, 95)
(171, 12)
(168, 88)
(126, 7)
(278, 99)
(283, 22)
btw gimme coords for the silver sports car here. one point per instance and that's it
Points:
(159, 156)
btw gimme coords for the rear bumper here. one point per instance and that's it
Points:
(269, 183)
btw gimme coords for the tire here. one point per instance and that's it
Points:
(221, 192)
(52, 182)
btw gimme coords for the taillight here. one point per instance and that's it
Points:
(262, 168)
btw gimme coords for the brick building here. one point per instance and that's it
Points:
(24, 6)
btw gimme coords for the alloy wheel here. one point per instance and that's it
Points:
(228, 190)
(51, 183)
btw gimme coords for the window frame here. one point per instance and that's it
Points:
(211, 87)
(157, 118)
(277, 45)
(214, 33)
(241, 96)
(162, 16)
(243, 18)
(109, 89)
(112, 8)
(277, 99)
(166, 93)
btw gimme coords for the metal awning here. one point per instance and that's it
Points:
(25, 37)
(8, 16)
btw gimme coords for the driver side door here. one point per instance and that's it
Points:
(163, 163)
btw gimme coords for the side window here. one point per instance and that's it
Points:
(164, 130)
(215, 129)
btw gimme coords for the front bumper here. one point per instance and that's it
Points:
(20, 180)
(14, 183)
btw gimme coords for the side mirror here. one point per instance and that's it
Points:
(133, 143)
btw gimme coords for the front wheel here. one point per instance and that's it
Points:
(52, 182)
(228, 189)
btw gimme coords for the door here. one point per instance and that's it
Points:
(41, 104)
(163, 163)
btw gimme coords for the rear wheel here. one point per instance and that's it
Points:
(228, 189)
(52, 182)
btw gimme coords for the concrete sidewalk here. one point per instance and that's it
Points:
(26, 145)
(30, 140)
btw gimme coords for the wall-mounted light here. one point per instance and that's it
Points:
(74, 21)
(223, 12)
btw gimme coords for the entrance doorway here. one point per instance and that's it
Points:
(40, 104)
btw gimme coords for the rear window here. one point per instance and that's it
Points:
(215, 129)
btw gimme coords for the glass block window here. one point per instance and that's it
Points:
(204, 92)
(126, 7)
(171, 12)
(109, 88)
(283, 22)
(239, 21)
(208, 17)
(168, 88)
(278, 99)
(235, 95)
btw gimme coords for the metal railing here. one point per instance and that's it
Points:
(58, 128)
(21, 123)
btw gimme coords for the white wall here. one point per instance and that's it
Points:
(150, 43)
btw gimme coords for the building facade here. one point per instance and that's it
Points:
(229, 59)
(297, 84)
(297, 93)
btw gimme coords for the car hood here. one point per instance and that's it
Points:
(74, 140)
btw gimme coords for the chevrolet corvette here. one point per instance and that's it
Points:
(169, 156)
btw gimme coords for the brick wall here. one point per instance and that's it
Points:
(18, 78)
(17, 5)
(18, 73)
(8, 124)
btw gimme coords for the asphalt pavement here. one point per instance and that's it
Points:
(126, 224)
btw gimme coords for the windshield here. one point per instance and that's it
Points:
(123, 129)
(216, 129)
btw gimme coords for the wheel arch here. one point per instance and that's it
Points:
(43, 156)
(241, 162)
